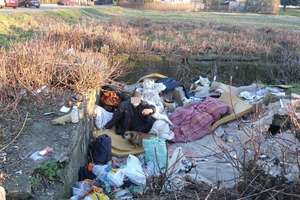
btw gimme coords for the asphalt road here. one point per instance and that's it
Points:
(44, 7)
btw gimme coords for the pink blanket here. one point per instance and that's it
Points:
(193, 121)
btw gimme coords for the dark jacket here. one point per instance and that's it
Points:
(130, 118)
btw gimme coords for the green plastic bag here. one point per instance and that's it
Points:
(156, 152)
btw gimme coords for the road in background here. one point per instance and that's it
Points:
(44, 7)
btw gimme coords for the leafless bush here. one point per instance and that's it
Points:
(54, 62)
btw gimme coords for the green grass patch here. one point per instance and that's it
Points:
(290, 12)
(70, 16)
(50, 171)
(238, 19)
(295, 88)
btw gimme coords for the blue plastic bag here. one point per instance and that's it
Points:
(156, 152)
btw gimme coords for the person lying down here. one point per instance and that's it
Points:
(136, 116)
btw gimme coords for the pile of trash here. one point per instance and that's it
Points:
(158, 117)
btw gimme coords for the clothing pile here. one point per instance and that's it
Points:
(172, 113)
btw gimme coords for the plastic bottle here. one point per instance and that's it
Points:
(75, 115)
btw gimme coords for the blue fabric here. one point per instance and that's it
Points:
(171, 84)
(100, 150)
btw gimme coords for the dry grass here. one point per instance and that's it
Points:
(295, 119)
(91, 60)
(58, 60)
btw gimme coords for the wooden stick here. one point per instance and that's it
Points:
(13, 140)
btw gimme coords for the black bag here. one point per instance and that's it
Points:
(100, 150)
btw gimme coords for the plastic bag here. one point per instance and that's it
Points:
(156, 151)
(162, 129)
(102, 117)
(134, 171)
(39, 155)
(80, 190)
(116, 179)
(100, 170)
(123, 194)
(247, 95)
(98, 196)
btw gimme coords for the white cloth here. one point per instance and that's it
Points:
(162, 116)
(2, 193)
(150, 93)
(162, 129)
(102, 117)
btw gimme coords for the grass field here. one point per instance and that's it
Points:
(286, 19)
(21, 25)
(290, 12)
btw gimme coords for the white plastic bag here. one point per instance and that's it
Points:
(80, 189)
(102, 117)
(75, 198)
(116, 179)
(247, 95)
(100, 170)
(162, 129)
(134, 171)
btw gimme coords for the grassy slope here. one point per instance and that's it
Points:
(243, 19)
(110, 12)
(22, 25)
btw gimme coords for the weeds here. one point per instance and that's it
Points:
(46, 174)
(49, 170)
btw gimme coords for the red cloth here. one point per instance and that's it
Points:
(110, 98)
(193, 121)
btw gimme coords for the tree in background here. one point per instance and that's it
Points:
(290, 2)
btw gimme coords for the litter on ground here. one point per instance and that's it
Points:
(206, 133)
